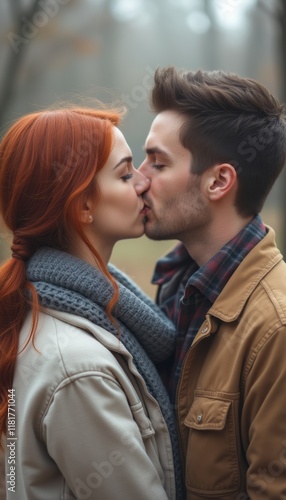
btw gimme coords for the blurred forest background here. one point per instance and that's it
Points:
(78, 50)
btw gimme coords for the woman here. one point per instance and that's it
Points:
(83, 411)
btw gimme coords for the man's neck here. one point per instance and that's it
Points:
(204, 244)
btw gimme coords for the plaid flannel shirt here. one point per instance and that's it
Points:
(186, 292)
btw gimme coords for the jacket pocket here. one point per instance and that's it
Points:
(212, 463)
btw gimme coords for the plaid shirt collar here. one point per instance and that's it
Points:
(211, 278)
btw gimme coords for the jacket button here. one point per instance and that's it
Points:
(199, 418)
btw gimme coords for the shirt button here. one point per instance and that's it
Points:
(199, 418)
(205, 329)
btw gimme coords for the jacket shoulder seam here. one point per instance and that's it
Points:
(69, 380)
(279, 305)
(260, 345)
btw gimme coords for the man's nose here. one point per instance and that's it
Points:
(143, 169)
(142, 183)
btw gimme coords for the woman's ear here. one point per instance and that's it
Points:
(85, 213)
(220, 180)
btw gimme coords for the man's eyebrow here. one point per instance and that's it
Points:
(154, 150)
(126, 159)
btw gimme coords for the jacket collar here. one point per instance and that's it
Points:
(255, 266)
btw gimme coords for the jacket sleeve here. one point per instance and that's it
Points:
(90, 433)
(264, 416)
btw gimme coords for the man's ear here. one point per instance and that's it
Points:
(220, 180)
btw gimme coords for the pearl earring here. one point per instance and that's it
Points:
(90, 218)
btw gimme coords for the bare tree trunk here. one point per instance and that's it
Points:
(15, 58)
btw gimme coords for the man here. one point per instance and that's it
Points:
(213, 152)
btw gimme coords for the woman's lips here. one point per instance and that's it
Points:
(145, 210)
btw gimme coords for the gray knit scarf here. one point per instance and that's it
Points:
(65, 283)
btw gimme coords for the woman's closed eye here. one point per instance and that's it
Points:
(126, 177)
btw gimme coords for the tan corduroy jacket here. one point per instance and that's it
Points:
(232, 391)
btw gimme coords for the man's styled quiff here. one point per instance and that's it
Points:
(227, 119)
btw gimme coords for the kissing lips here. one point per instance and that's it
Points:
(145, 210)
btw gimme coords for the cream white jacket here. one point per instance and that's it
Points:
(86, 425)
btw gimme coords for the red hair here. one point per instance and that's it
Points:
(48, 162)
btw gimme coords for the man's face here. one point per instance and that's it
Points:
(177, 208)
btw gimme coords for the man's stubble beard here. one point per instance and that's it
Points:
(180, 218)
